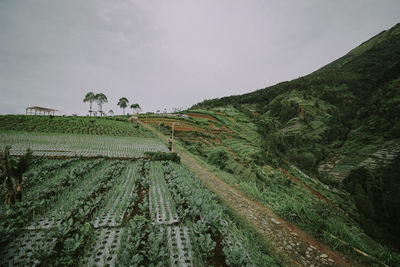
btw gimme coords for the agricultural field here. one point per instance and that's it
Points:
(110, 126)
(67, 145)
(102, 212)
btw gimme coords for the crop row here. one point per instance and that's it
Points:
(117, 201)
(162, 207)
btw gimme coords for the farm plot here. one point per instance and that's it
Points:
(64, 145)
(121, 213)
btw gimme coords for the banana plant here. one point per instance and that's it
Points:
(11, 172)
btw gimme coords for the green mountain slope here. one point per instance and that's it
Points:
(355, 98)
(340, 124)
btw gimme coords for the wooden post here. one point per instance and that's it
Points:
(173, 125)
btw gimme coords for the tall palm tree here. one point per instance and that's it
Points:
(100, 99)
(123, 103)
(89, 97)
(136, 107)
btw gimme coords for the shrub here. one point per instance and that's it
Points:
(159, 156)
(219, 158)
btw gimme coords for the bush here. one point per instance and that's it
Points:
(307, 160)
(159, 156)
(219, 158)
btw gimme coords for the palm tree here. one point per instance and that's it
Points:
(89, 97)
(11, 172)
(123, 103)
(136, 107)
(100, 99)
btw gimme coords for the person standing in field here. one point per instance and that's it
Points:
(170, 143)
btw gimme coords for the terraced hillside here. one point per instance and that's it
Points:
(294, 196)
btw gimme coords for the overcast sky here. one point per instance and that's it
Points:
(171, 54)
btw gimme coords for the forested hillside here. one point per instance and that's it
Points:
(355, 98)
(340, 123)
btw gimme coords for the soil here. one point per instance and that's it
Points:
(183, 129)
(218, 258)
(136, 210)
(200, 116)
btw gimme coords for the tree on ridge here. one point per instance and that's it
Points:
(123, 103)
(101, 99)
(135, 107)
(89, 97)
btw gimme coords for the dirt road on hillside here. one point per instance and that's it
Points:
(294, 244)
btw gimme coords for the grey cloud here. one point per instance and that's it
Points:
(166, 54)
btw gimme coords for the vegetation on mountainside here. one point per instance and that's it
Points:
(347, 110)
(355, 98)
(232, 157)
(376, 195)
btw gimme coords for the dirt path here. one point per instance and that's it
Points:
(294, 244)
